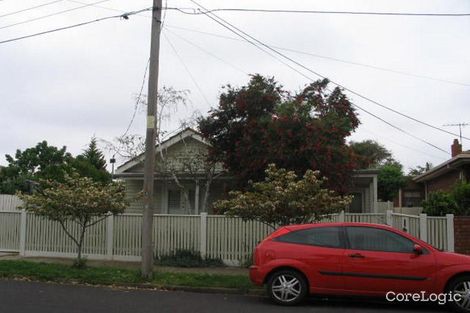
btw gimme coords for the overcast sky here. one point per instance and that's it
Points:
(68, 86)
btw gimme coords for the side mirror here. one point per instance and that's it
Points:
(417, 249)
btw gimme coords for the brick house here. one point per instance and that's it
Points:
(445, 175)
(409, 196)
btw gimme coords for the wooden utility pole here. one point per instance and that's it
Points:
(150, 139)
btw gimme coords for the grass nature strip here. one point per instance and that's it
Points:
(117, 276)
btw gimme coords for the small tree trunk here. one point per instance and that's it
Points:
(79, 262)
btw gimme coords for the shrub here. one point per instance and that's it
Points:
(440, 203)
(461, 195)
(457, 201)
(187, 258)
(284, 198)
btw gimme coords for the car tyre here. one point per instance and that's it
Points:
(287, 287)
(460, 285)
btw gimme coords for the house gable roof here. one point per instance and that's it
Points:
(182, 135)
(445, 167)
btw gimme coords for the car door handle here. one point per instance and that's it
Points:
(356, 256)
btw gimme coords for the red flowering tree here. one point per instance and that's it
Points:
(261, 123)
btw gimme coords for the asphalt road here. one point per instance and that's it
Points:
(25, 297)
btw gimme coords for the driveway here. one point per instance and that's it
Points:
(24, 297)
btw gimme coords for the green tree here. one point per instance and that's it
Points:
(92, 163)
(370, 153)
(261, 123)
(77, 200)
(284, 198)
(418, 170)
(94, 155)
(390, 180)
(39, 162)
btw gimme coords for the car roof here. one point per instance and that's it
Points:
(337, 224)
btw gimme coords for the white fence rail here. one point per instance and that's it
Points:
(230, 239)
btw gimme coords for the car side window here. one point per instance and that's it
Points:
(329, 237)
(374, 239)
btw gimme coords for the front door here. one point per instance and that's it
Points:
(380, 260)
(356, 204)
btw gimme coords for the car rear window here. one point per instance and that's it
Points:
(329, 237)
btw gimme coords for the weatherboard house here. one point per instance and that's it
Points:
(185, 184)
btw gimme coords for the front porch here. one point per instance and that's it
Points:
(364, 191)
(187, 198)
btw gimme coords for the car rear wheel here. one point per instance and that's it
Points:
(460, 286)
(287, 287)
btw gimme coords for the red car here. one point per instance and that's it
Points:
(356, 259)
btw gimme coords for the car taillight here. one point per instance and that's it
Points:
(277, 233)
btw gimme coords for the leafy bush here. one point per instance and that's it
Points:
(439, 203)
(461, 195)
(187, 258)
(457, 201)
(284, 198)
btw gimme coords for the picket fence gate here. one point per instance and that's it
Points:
(230, 239)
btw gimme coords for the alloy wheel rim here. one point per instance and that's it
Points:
(286, 288)
(463, 289)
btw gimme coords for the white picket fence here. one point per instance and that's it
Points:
(9, 202)
(230, 239)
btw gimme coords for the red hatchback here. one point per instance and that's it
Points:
(356, 259)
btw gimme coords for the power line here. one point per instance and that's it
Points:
(324, 77)
(400, 144)
(267, 52)
(379, 68)
(187, 69)
(273, 56)
(31, 8)
(239, 33)
(208, 52)
(123, 16)
(136, 106)
(197, 12)
(107, 8)
(52, 14)
(399, 129)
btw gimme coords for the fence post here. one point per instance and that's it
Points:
(341, 218)
(109, 236)
(23, 232)
(203, 237)
(450, 232)
(423, 227)
(388, 218)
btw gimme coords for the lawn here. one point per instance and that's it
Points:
(117, 276)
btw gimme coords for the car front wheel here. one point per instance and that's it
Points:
(287, 287)
(460, 286)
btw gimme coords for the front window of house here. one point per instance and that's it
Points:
(177, 202)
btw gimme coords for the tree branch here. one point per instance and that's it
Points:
(97, 221)
(68, 233)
